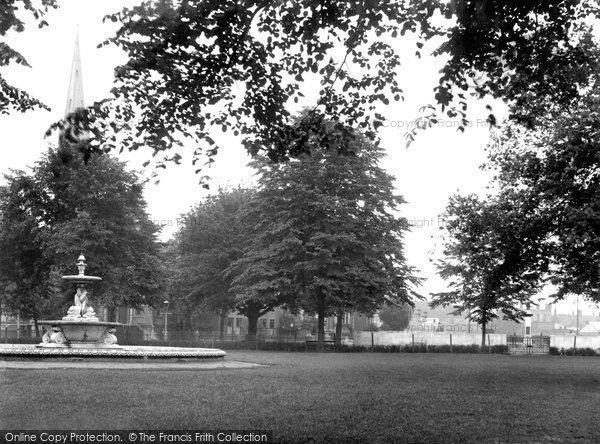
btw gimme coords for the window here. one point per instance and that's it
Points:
(229, 322)
(272, 323)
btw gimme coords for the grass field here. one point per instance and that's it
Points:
(311, 397)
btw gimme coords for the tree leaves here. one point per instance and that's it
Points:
(237, 66)
(534, 55)
(200, 53)
(490, 250)
(558, 167)
(210, 240)
(12, 98)
(326, 239)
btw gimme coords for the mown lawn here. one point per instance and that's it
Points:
(311, 397)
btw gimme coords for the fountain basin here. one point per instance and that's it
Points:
(80, 332)
(129, 352)
(81, 279)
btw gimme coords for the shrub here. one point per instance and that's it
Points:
(555, 351)
(472, 348)
(586, 351)
(500, 349)
(441, 349)
(582, 352)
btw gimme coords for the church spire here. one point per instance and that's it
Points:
(75, 92)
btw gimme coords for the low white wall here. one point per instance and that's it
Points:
(368, 338)
(567, 341)
(429, 338)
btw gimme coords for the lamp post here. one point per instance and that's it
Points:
(166, 318)
(577, 316)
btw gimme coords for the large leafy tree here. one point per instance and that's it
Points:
(327, 237)
(560, 166)
(195, 66)
(211, 239)
(27, 280)
(395, 317)
(490, 249)
(546, 167)
(66, 206)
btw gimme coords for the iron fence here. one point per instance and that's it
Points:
(528, 344)
(133, 335)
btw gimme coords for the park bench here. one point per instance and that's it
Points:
(315, 342)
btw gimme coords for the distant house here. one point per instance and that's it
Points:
(281, 324)
(149, 324)
(592, 327)
(441, 319)
(544, 321)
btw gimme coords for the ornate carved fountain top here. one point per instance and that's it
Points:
(81, 277)
(81, 310)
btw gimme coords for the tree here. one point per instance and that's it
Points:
(395, 318)
(210, 240)
(27, 280)
(533, 55)
(326, 237)
(559, 165)
(11, 12)
(489, 252)
(195, 66)
(64, 207)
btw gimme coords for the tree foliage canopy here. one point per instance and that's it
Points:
(327, 237)
(395, 318)
(12, 19)
(534, 55)
(559, 168)
(196, 66)
(212, 237)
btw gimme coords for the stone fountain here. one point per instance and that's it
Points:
(81, 334)
(80, 327)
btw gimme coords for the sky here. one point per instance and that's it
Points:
(439, 163)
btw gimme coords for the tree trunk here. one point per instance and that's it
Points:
(111, 314)
(252, 328)
(483, 327)
(321, 328)
(36, 327)
(338, 329)
(252, 313)
(222, 318)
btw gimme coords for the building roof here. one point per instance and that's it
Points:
(591, 327)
